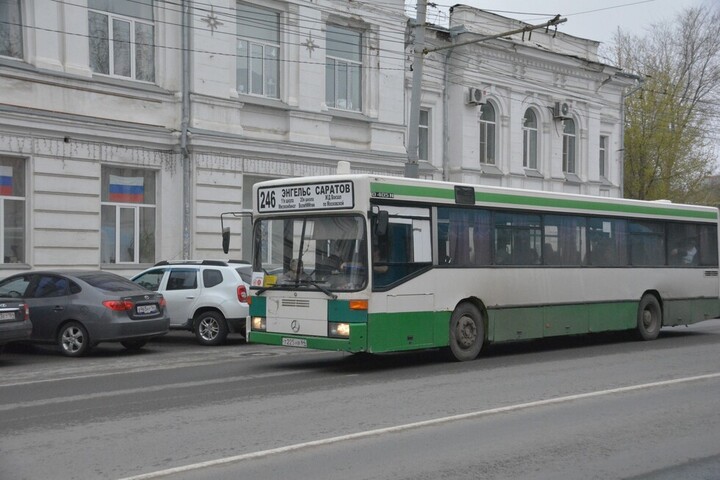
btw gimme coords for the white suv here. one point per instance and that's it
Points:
(207, 297)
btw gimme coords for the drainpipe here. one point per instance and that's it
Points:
(446, 120)
(185, 121)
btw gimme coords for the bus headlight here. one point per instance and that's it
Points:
(258, 324)
(341, 330)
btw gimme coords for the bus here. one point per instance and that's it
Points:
(367, 263)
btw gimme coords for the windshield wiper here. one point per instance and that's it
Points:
(319, 287)
(269, 287)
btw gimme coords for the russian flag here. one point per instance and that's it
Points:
(6, 180)
(126, 189)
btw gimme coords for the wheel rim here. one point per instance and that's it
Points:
(649, 319)
(208, 328)
(466, 332)
(72, 340)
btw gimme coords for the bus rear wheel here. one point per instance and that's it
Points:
(467, 332)
(649, 319)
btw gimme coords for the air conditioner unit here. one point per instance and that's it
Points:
(561, 110)
(476, 96)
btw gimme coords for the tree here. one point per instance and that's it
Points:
(670, 121)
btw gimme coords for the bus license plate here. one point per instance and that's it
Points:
(294, 342)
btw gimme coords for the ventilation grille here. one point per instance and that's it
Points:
(302, 303)
(711, 273)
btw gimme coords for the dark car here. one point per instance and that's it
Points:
(79, 309)
(15, 322)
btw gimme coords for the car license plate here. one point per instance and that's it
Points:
(7, 316)
(146, 309)
(294, 342)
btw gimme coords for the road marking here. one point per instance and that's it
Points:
(409, 426)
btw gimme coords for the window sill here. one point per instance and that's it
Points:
(262, 101)
(14, 266)
(347, 114)
(532, 172)
(572, 178)
(490, 170)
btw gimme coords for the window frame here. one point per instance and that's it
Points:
(604, 143)
(265, 45)
(18, 167)
(530, 133)
(487, 138)
(332, 98)
(134, 47)
(14, 32)
(144, 243)
(569, 147)
(424, 134)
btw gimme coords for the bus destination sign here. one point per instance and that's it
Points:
(317, 196)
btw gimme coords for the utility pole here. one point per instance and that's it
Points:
(411, 167)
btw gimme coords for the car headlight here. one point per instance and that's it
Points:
(258, 323)
(341, 330)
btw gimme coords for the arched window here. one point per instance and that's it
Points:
(530, 139)
(568, 153)
(487, 134)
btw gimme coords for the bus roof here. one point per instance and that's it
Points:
(439, 192)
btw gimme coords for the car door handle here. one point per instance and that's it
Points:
(190, 297)
(58, 308)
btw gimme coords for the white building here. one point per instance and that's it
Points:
(532, 110)
(128, 126)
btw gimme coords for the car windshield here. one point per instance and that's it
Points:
(107, 281)
(312, 251)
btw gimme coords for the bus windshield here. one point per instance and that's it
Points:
(308, 252)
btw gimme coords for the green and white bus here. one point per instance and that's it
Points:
(366, 263)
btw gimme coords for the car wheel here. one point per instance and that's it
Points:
(134, 345)
(210, 328)
(73, 340)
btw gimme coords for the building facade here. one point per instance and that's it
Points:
(128, 126)
(534, 110)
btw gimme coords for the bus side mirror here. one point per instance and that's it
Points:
(381, 223)
(226, 239)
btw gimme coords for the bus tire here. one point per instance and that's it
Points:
(649, 318)
(467, 332)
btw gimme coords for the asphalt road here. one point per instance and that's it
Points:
(599, 406)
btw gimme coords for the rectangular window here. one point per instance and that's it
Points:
(12, 210)
(424, 134)
(128, 215)
(565, 240)
(464, 237)
(343, 68)
(11, 44)
(608, 242)
(258, 51)
(122, 38)
(691, 244)
(647, 243)
(603, 161)
(569, 154)
(517, 239)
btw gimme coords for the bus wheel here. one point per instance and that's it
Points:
(467, 332)
(649, 318)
